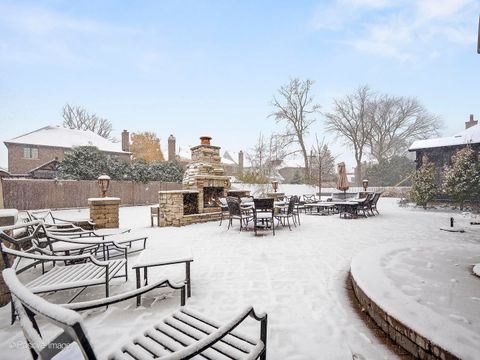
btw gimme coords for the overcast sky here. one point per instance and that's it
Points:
(192, 68)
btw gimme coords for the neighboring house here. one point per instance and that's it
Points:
(439, 151)
(39, 152)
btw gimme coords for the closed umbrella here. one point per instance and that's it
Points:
(342, 182)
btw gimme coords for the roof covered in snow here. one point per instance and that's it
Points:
(467, 136)
(57, 136)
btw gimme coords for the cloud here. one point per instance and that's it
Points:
(406, 30)
(341, 12)
(36, 35)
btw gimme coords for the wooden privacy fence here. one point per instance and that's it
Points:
(29, 194)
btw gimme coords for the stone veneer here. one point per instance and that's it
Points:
(417, 345)
(205, 171)
(171, 209)
(104, 212)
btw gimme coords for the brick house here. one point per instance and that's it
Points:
(39, 152)
(439, 151)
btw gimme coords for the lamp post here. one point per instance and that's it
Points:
(365, 184)
(275, 185)
(103, 183)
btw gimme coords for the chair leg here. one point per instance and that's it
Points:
(288, 222)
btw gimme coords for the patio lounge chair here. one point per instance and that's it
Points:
(182, 335)
(85, 270)
(47, 217)
(111, 245)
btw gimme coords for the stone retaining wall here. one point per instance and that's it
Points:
(417, 345)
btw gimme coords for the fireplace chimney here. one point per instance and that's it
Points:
(471, 123)
(125, 141)
(171, 148)
(240, 162)
(205, 140)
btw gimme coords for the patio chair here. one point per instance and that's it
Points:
(223, 209)
(365, 205)
(299, 206)
(264, 214)
(85, 270)
(286, 214)
(110, 244)
(47, 217)
(181, 335)
(155, 213)
(75, 241)
(373, 204)
(235, 212)
(309, 198)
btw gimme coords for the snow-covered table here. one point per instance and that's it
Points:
(149, 258)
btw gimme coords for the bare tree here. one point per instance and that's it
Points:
(396, 123)
(77, 117)
(295, 107)
(322, 163)
(351, 120)
(266, 155)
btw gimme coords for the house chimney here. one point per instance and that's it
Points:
(471, 122)
(125, 141)
(171, 148)
(240, 162)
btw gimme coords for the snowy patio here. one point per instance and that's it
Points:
(299, 278)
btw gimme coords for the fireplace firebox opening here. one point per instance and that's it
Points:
(211, 196)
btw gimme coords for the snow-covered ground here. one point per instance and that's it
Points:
(298, 277)
(428, 287)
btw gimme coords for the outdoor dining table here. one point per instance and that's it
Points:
(348, 208)
(320, 207)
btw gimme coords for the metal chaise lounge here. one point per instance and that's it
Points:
(85, 270)
(181, 335)
(50, 220)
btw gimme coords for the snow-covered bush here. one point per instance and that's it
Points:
(424, 188)
(88, 163)
(461, 180)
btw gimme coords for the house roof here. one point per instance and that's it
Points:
(57, 136)
(467, 136)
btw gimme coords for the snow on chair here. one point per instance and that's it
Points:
(181, 335)
(85, 270)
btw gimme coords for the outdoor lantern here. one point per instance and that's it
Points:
(275, 186)
(365, 184)
(104, 183)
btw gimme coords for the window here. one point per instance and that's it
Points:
(30, 153)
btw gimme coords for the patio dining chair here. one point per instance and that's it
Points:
(222, 202)
(287, 213)
(373, 203)
(264, 214)
(236, 212)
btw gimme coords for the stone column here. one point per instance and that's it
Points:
(7, 217)
(104, 212)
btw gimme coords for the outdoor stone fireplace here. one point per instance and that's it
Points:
(204, 182)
